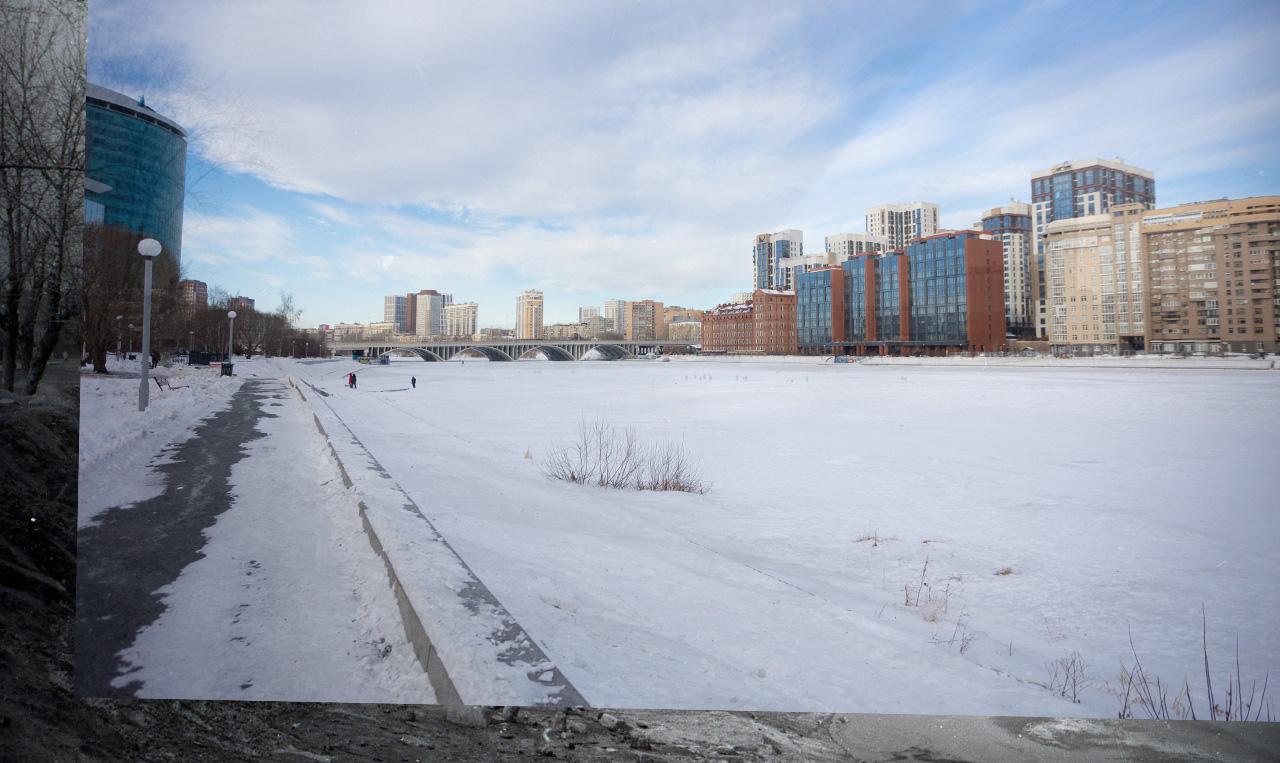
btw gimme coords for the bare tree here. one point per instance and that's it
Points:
(41, 179)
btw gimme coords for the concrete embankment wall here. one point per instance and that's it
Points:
(473, 650)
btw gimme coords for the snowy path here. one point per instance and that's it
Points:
(248, 577)
(763, 593)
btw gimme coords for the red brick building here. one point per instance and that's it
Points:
(764, 326)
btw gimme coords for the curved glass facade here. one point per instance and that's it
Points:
(142, 157)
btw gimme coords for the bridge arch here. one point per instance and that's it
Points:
(492, 353)
(550, 350)
(609, 351)
(421, 352)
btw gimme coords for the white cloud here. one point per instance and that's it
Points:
(575, 145)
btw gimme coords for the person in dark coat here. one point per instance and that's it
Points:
(413, 380)
(353, 380)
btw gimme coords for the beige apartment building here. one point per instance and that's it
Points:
(1214, 274)
(644, 319)
(529, 315)
(1200, 277)
(1094, 282)
(460, 319)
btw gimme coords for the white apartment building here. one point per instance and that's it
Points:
(768, 252)
(429, 312)
(1010, 224)
(615, 315)
(529, 315)
(460, 319)
(1078, 189)
(899, 224)
(846, 246)
(395, 309)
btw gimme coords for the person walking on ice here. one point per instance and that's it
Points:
(413, 381)
(353, 380)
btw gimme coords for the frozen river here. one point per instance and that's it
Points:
(1113, 501)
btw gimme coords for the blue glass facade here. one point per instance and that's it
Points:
(781, 250)
(937, 287)
(762, 264)
(813, 309)
(888, 302)
(855, 298)
(1007, 224)
(142, 157)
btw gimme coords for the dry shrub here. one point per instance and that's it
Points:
(1151, 694)
(1005, 571)
(1067, 676)
(608, 456)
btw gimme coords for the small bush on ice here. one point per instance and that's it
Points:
(608, 456)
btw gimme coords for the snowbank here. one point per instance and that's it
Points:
(118, 442)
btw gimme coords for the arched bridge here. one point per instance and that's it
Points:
(511, 349)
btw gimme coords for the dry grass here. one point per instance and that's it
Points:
(1005, 571)
(608, 456)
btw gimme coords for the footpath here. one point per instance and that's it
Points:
(246, 576)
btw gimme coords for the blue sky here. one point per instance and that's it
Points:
(344, 151)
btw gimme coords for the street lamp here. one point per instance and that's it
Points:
(131, 330)
(231, 333)
(306, 349)
(119, 357)
(149, 248)
(191, 341)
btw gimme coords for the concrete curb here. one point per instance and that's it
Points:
(428, 656)
(450, 616)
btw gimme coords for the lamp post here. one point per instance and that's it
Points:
(118, 340)
(231, 333)
(148, 248)
(131, 330)
(191, 341)
(306, 349)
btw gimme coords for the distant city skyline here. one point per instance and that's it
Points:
(644, 168)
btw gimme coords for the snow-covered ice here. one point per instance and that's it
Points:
(1120, 500)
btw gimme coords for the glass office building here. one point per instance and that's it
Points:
(141, 157)
(856, 274)
(820, 305)
(937, 283)
(888, 306)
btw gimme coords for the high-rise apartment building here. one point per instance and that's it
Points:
(395, 309)
(241, 304)
(193, 295)
(529, 315)
(1213, 270)
(428, 311)
(1094, 282)
(644, 320)
(1011, 226)
(615, 316)
(899, 224)
(846, 246)
(1079, 189)
(768, 252)
(587, 313)
(675, 313)
(460, 320)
